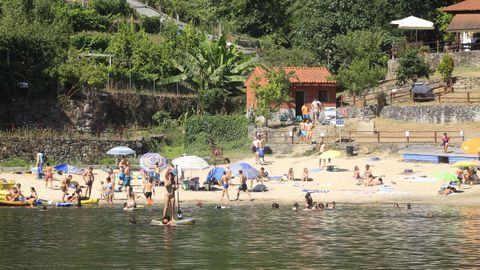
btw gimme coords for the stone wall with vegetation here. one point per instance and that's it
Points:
(92, 111)
(68, 150)
(461, 60)
(439, 114)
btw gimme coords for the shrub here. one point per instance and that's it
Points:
(151, 25)
(162, 118)
(445, 68)
(92, 41)
(14, 162)
(229, 132)
(107, 7)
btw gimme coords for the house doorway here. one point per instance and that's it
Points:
(299, 101)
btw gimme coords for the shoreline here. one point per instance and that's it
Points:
(326, 186)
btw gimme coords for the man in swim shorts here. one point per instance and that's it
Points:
(243, 185)
(148, 190)
(128, 178)
(226, 183)
(88, 178)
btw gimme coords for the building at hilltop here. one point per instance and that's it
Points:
(466, 23)
(307, 84)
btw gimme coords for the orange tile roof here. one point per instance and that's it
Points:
(302, 75)
(464, 22)
(465, 6)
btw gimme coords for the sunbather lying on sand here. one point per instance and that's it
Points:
(374, 182)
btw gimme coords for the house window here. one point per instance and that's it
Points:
(323, 95)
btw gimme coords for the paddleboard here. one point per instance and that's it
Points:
(179, 222)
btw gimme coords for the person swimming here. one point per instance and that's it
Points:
(308, 200)
(395, 205)
(133, 220)
(167, 220)
(409, 206)
(275, 205)
(331, 205)
(199, 204)
(321, 207)
(295, 207)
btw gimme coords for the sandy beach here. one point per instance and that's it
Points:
(326, 186)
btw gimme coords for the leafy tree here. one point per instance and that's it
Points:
(213, 65)
(360, 76)
(272, 94)
(412, 66)
(364, 44)
(77, 73)
(443, 20)
(445, 68)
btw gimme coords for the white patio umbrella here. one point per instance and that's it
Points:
(121, 150)
(190, 163)
(414, 23)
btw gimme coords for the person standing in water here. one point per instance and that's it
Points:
(243, 185)
(88, 178)
(226, 183)
(169, 194)
(149, 190)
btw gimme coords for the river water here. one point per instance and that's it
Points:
(242, 237)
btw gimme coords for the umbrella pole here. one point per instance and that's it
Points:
(179, 212)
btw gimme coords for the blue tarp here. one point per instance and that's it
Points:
(215, 174)
(68, 169)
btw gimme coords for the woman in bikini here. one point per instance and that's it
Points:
(64, 186)
(169, 194)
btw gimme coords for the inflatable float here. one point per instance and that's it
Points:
(17, 203)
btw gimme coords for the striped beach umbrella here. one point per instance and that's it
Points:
(149, 161)
(248, 170)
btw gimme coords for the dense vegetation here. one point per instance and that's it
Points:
(43, 43)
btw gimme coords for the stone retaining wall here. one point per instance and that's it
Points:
(68, 150)
(439, 114)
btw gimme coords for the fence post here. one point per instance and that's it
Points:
(407, 134)
(378, 136)
(468, 97)
(354, 100)
(391, 98)
(435, 135)
(349, 136)
(439, 97)
(266, 137)
(438, 46)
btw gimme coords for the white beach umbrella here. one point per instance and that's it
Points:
(190, 163)
(121, 150)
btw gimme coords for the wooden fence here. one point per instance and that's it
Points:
(290, 137)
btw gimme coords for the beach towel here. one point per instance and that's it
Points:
(417, 179)
(315, 170)
(316, 190)
(373, 159)
(277, 178)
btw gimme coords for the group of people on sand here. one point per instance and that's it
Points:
(367, 178)
(15, 194)
(310, 204)
(226, 183)
(305, 131)
(290, 176)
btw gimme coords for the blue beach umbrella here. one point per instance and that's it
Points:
(248, 170)
(149, 161)
(121, 150)
(215, 174)
(65, 168)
